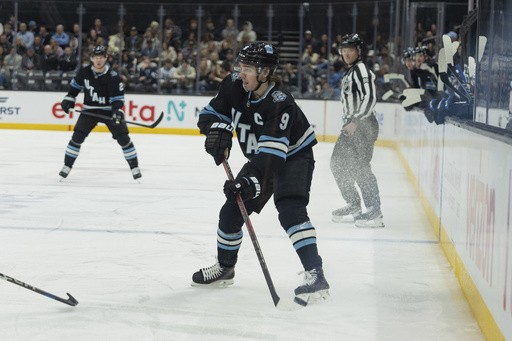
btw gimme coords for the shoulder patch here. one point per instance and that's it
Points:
(278, 96)
(113, 73)
(235, 76)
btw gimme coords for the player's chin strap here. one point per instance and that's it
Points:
(258, 80)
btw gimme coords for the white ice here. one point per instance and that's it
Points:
(127, 251)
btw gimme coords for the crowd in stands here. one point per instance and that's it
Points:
(167, 58)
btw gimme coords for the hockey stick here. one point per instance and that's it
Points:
(277, 301)
(70, 301)
(108, 118)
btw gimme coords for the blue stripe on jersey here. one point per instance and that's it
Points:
(75, 85)
(117, 98)
(210, 111)
(272, 151)
(308, 141)
(270, 138)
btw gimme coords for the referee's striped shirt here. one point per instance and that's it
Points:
(358, 93)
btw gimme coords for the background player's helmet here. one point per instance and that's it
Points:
(421, 49)
(259, 54)
(99, 51)
(408, 53)
(350, 40)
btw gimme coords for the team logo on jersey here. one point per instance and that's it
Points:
(278, 96)
(235, 76)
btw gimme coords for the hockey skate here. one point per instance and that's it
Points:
(315, 288)
(371, 218)
(215, 275)
(136, 174)
(346, 214)
(64, 172)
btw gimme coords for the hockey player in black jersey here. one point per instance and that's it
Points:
(277, 139)
(104, 95)
(353, 151)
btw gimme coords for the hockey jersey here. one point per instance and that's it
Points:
(358, 95)
(269, 130)
(102, 92)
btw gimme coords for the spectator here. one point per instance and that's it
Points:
(133, 43)
(147, 77)
(38, 46)
(176, 34)
(385, 58)
(167, 82)
(21, 48)
(5, 75)
(123, 73)
(191, 29)
(4, 42)
(45, 36)
(324, 91)
(115, 45)
(290, 77)
(230, 29)
(61, 37)
(127, 63)
(12, 22)
(30, 61)
(68, 61)
(222, 69)
(2, 53)
(26, 36)
(214, 31)
(73, 44)
(13, 60)
(204, 70)
(247, 34)
(149, 36)
(185, 75)
(93, 39)
(191, 51)
(101, 31)
(8, 33)
(310, 60)
(32, 27)
(168, 53)
(150, 52)
(154, 28)
(453, 36)
(49, 60)
(310, 40)
(56, 48)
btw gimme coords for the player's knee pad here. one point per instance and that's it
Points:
(123, 140)
(292, 211)
(230, 218)
(78, 137)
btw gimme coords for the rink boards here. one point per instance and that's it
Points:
(463, 179)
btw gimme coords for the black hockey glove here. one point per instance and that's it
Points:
(68, 103)
(219, 140)
(117, 116)
(247, 187)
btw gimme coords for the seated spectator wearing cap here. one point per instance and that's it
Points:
(191, 51)
(61, 37)
(26, 36)
(150, 52)
(133, 42)
(453, 36)
(310, 40)
(32, 26)
(30, 60)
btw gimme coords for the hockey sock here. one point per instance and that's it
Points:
(303, 238)
(130, 154)
(72, 151)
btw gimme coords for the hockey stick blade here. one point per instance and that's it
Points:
(108, 118)
(69, 301)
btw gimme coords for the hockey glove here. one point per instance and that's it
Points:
(219, 141)
(247, 187)
(68, 103)
(117, 116)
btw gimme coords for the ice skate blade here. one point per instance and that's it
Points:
(375, 223)
(312, 298)
(62, 179)
(343, 219)
(217, 284)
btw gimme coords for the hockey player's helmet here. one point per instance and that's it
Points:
(350, 40)
(421, 49)
(259, 54)
(99, 51)
(408, 53)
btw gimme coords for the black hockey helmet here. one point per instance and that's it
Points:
(259, 54)
(421, 49)
(408, 53)
(350, 40)
(99, 51)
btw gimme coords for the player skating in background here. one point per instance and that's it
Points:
(104, 95)
(276, 137)
(353, 151)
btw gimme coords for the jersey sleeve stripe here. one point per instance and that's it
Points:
(117, 98)
(275, 152)
(273, 145)
(270, 138)
(208, 110)
(305, 139)
(75, 85)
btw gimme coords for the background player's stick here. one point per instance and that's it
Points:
(70, 301)
(108, 118)
(277, 301)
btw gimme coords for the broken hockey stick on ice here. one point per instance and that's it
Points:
(109, 118)
(70, 301)
(282, 305)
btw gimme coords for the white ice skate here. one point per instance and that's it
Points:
(372, 218)
(346, 214)
(64, 172)
(136, 174)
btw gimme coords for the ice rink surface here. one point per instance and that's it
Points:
(127, 251)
